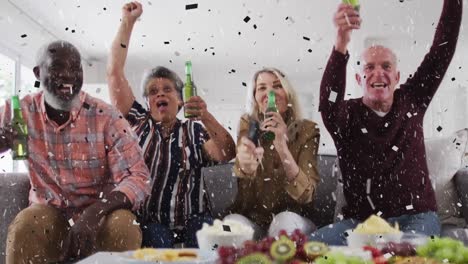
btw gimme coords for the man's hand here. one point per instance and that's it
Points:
(6, 137)
(249, 156)
(132, 11)
(81, 239)
(196, 106)
(345, 19)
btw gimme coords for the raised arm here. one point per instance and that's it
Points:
(119, 89)
(333, 85)
(425, 81)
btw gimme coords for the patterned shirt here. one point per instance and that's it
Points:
(73, 165)
(175, 166)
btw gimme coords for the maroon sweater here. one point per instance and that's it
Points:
(387, 153)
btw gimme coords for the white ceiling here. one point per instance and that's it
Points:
(209, 35)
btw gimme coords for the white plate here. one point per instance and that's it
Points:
(204, 257)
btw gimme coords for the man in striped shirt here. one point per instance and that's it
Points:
(85, 166)
(174, 150)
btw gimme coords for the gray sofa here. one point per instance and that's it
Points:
(221, 186)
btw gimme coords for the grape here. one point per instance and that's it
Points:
(445, 249)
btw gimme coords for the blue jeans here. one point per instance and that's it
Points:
(156, 235)
(424, 223)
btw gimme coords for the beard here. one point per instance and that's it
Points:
(57, 103)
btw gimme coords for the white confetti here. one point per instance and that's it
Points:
(409, 207)
(289, 105)
(340, 216)
(333, 196)
(370, 202)
(379, 213)
(267, 179)
(100, 195)
(386, 124)
(364, 131)
(332, 97)
(415, 114)
(395, 148)
(409, 115)
(136, 223)
(459, 204)
(310, 165)
(272, 147)
(104, 200)
(387, 255)
(368, 186)
(71, 222)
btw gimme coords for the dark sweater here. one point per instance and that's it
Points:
(387, 153)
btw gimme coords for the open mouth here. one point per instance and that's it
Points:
(379, 85)
(65, 90)
(162, 105)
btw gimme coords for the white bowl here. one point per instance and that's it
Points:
(211, 241)
(359, 240)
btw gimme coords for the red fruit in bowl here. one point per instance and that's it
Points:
(375, 252)
(283, 232)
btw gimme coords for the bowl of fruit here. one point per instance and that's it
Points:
(223, 233)
(372, 232)
(291, 248)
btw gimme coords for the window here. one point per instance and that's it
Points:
(7, 82)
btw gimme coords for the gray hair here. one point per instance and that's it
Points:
(161, 72)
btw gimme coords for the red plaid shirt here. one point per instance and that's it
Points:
(73, 165)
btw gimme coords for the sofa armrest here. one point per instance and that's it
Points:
(461, 183)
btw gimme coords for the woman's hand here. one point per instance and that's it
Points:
(275, 123)
(249, 156)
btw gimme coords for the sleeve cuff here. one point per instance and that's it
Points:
(338, 56)
(300, 188)
(136, 198)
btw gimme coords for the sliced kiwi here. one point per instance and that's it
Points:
(256, 258)
(315, 249)
(283, 249)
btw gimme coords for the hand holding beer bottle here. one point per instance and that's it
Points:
(19, 148)
(189, 90)
(346, 19)
(269, 135)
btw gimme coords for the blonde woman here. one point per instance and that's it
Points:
(278, 178)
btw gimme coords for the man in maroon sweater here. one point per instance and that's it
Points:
(379, 137)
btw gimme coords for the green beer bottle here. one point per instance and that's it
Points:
(354, 3)
(189, 89)
(270, 108)
(20, 140)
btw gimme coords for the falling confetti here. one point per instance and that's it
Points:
(395, 148)
(123, 45)
(439, 128)
(246, 19)
(191, 6)
(24, 35)
(226, 228)
(306, 38)
(332, 97)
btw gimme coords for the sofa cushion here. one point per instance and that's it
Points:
(444, 158)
